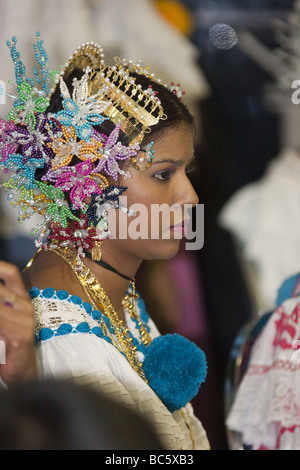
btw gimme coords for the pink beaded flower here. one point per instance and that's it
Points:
(77, 179)
(6, 147)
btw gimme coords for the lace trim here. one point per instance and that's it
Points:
(51, 321)
(257, 369)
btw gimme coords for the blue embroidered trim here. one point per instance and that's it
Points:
(46, 333)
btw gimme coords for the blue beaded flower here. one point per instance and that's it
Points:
(80, 118)
(25, 172)
(81, 110)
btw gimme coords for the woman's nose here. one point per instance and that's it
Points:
(186, 194)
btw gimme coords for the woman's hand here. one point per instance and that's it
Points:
(17, 352)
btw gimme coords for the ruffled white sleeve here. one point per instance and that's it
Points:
(266, 410)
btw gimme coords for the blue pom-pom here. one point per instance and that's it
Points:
(175, 368)
(285, 291)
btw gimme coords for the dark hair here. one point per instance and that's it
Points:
(175, 110)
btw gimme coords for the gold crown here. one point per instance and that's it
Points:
(130, 105)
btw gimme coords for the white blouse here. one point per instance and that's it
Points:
(70, 346)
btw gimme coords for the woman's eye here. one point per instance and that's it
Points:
(163, 175)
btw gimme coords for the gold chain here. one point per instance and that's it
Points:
(99, 299)
(129, 304)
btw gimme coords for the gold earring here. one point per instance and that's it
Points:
(96, 251)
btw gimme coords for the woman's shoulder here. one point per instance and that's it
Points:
(48, 270)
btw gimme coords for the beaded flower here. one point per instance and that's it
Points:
(65, 146)
(6, 144)
(58, 208)
(57, 161)
(92, 150)
(79, 236)
(113, 151)
(26, 107)
(25, 172)
(81, 111)
(97, 212)
(33, 144)
(78, 180)
(27, 202)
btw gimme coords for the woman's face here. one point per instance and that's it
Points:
(159, 197)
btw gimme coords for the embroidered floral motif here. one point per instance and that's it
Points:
(82, 320)
(286, 327)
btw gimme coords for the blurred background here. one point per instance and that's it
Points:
(237, 62)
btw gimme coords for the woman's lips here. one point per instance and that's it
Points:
(179, 228)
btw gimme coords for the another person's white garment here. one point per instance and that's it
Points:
(266, 409)
(264, 218)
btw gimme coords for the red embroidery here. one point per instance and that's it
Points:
(286, 325)
(256, 369)
(281, 432)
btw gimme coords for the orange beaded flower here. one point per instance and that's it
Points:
(92, 150)
(65, 147)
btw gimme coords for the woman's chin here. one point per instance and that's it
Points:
(165, 249)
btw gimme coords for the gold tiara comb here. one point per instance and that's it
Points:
(135, 108)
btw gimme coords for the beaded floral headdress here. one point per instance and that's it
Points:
(67, 148)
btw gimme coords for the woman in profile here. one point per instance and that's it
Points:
(102, 133)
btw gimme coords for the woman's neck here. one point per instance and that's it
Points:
(114, 284)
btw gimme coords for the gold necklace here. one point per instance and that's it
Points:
(121, 338)
(129, 304)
